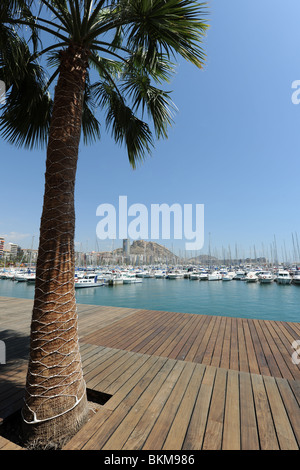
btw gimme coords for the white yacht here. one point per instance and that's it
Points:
(20, 276)
(228, 276)
(251, 276)
(141, 274)
(239, 275)
(265, 277)
(283, 277)
(87, 281)
(194, 276)
(31, 278)
(130, 278)
(203, 276)
(116, 278)
(159, 274)
(149, 274)
(215, 276)
(175, 274)
(296, 277)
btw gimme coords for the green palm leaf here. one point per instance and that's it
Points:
(26, 115)
(144, 36)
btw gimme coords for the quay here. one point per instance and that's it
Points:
(174, 381)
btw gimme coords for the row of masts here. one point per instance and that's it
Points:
(268, 254)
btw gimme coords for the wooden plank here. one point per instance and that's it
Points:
(284, 340)
(205, 341)
(292, 329)
(234, 351)
(149, 342)
(112, 368)
(113, 334)
(251, 355)
(194, 336)
(109, 379)
(140, 432)
(196, 429)
(121, 434)
(285, 434)
(171, 337)
(295, 387)
(266, 430)
(243, 356)
(100, 317)
(138, 336)
(231, 432)
(159, 341)
(211, 347)
(278, 352)
(127, 375)
(104, 359)
(272, 364)
(219, 344)
(103, 433)
(87, 431)
(214, 428)
(224, 362)
(103, 428)
(249, 432)
(160, 429)
(259, 353)
(183, 337)
(291, 406)
(179, 426)
(91, 355)
(139, 380)
(202, 328)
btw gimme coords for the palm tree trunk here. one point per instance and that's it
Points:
(55, 398)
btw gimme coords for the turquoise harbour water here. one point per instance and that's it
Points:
(232, 299)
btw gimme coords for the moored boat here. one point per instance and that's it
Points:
(228, 276)
(239, 275)
(283, 277)
(265, 277)
(87, 281)
(251, 276)
(215, 276)
(296, 278)
(175, 274)
(203, 276)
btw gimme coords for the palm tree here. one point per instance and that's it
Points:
(113, 56)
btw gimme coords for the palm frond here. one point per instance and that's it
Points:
(90, 124)
(161, 69)
(172, 26)
(25, 118)
(125, 127)
(157, 102)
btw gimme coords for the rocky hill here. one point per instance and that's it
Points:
(142, 247)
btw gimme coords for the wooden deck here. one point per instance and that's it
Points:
(177, 381)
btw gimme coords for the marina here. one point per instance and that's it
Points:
(173, 381)
(232, 292)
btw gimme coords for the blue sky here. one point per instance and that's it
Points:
(234, 146)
